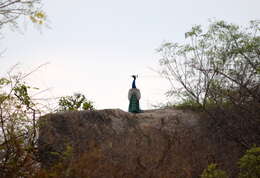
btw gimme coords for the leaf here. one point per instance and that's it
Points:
(4, 81)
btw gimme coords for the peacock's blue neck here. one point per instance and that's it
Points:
(133, 84)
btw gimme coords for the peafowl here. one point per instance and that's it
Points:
(134, 96)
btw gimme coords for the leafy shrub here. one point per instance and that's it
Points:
(17, 128)
(213, 172)
(188, 104)
(77, 101)
(250, 164)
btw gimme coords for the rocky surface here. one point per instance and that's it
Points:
(172, 141)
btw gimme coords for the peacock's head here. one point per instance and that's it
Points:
(134, 76)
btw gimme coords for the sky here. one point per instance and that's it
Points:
(93, 47)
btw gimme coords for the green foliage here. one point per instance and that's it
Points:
(17, 128)
(188, 104)
(21, 92)
(224, 57)
(75, 102)
(4, 81)
(17, 109)
(250, 164)
(216, 69)
(61, 167)
(213, 172)
(66, 154)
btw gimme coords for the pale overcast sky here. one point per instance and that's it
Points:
(94, 46)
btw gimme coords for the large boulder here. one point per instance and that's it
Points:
(163, 142)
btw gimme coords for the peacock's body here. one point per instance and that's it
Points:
(134, 96)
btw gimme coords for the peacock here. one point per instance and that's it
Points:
(134, 96)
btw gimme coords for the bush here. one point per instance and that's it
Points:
(213, 172)
(18, 128)
(188, 104)
(250, 164)
(77, 101)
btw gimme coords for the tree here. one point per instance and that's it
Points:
(225, 57)
(219, 67)
(18, 112)
(77, 101)
(12, 10)
(17, 127)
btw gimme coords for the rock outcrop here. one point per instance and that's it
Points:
(163, 142)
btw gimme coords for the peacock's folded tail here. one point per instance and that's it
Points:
(134, 105)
